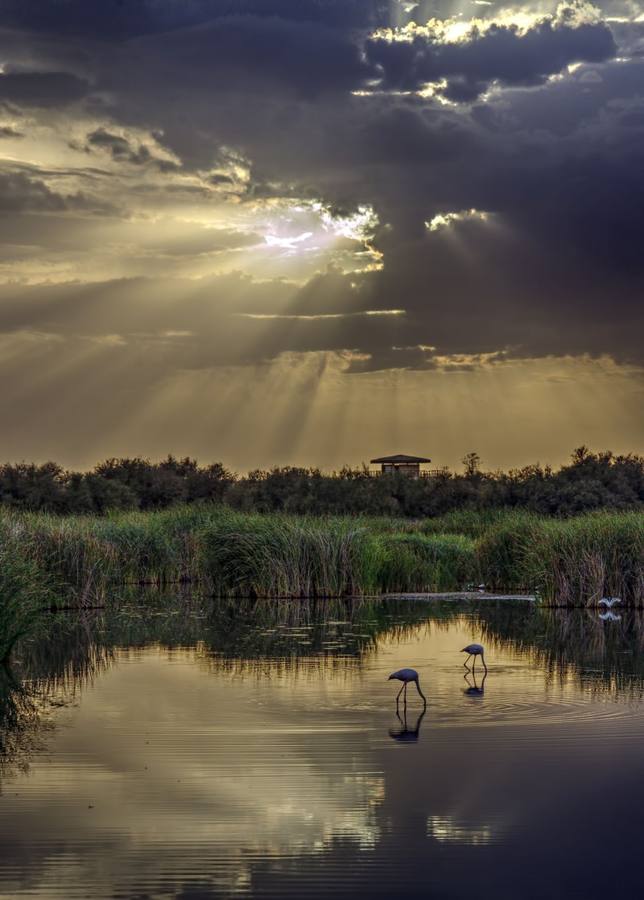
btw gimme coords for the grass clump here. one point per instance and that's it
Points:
(570, 562)
(502, 553)
(475, 523)
(418, 562)
(79, 563)
(283, 556)
(23, 594)
(579, 561)
(86, 557)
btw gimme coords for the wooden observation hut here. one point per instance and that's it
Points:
(401, 464)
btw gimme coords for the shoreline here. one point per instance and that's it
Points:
(458, 595)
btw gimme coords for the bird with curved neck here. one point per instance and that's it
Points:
(407, 676)
(474, 650)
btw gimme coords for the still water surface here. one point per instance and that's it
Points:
(206, 755)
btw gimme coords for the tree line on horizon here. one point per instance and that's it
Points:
(589, 481)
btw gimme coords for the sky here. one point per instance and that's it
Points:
(311, 232)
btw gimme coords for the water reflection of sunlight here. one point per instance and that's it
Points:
(446, 829)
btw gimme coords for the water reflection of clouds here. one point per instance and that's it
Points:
(160, 758)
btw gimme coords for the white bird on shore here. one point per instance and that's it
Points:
(407, 676)
(609, 602)
(474, 650)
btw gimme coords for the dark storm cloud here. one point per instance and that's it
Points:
(120, 19)
(123, 150)
(250, 53)
(413, 358)
(501, 53)
(26, 193)
(18, 193)
(557, 164)
(44, 89)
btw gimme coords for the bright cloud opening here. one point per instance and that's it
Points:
(445, 219)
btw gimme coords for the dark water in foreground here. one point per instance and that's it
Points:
(201, 756)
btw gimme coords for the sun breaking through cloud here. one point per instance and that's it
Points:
(441, 203)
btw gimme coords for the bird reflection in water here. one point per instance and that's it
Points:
(609, 616)
(404, 733)
(474, 689)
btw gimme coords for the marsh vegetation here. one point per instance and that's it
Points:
(53, 561)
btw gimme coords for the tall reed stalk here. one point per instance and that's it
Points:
(23, 592)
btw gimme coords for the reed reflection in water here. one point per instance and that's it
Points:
(230, 748)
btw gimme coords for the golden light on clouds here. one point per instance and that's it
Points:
(359, 238)
(459, 29)
(443, 220)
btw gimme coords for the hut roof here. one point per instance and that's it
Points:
(400, 458)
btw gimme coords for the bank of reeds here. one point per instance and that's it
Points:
(84, 558)
(475, 523)
(420, 562)
(579, 561)
(86, 561)
(284, 556)
(23, 595)
(570, 562)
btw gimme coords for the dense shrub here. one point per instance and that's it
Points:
(591, 481)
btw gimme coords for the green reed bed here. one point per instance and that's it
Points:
(584, 559)
(281, 556)
(570, 562)
(284, 556)
(88, 560)
(475, 523)
(85, 557)
(23, 593)
(502, 553)
(419, 562)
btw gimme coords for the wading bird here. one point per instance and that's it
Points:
(474, 650)
(407, 675)
(609, 602)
